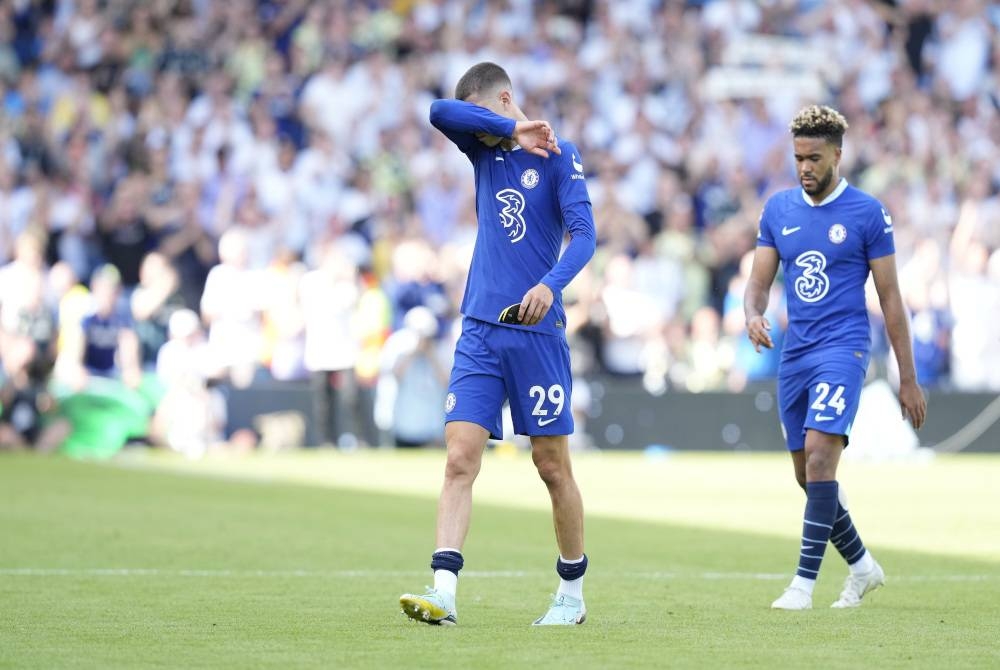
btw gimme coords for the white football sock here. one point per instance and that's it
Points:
(803, 584)
(446, 581)
(863, 565)
(574, 587)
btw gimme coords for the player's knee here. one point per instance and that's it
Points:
(462, 463)
(820, 466)
(553, 471)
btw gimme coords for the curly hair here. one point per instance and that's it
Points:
(819, 121)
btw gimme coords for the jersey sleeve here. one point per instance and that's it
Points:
(577, 216)
(878, 234)
(460, 121)
(765, 238)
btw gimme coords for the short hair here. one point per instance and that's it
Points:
(481, 78)
(819, 121)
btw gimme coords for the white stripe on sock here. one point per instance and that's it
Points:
(821, 525)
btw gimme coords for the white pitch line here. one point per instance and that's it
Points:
(475, 574)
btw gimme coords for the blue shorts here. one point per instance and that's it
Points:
(494, 363)
(824, 398)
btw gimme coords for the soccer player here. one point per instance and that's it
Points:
(529, 193)
(827, 236)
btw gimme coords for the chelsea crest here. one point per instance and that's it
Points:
(838, 233)
(529, 178)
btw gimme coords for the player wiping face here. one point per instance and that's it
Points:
(536, 137)
(530, 195)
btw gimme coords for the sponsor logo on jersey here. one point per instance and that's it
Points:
(529, 178)
(785, 230)
(511, 215)
(813, 283)
(578, 166)
(837, 233)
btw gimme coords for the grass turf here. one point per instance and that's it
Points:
(231, 573)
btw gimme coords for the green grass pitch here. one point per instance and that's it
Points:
(298, 561)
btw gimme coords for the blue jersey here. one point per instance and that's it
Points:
(101, 335)
(825, 250)
(525, 204)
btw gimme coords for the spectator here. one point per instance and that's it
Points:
(329, 297)
(191, 417)
(154, 300)
(127, 130)
(414, 381)
(231, 306)
(104, 344)
(27, 409)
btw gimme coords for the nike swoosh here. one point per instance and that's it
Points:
(820, 417)
(788, 231)
(498, 158)
(545, 422)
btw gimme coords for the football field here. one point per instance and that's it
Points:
(297, 560)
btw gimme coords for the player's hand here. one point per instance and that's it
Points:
(913, 403)
(757, 331)
(535, 304)
(536, 137)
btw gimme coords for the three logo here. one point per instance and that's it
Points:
(511, 214)
(813, 283)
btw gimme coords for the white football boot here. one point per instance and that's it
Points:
(856, 586)
(793, 599)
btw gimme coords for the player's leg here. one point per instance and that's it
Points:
(820, 455)
(551, 457)
(550, 454)
(865, 573)
(793, 402)
(474, 400)
(465, 442)
(539, 385)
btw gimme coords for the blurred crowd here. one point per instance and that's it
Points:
(197, 195)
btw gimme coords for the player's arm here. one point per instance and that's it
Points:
(911, 399)
(467, 124)
(579, 221)
(755, 297)
(461, 121)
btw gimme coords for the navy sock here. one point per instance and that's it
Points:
(845, 538)
(571, 571)
(451, 561)
(821, 512)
